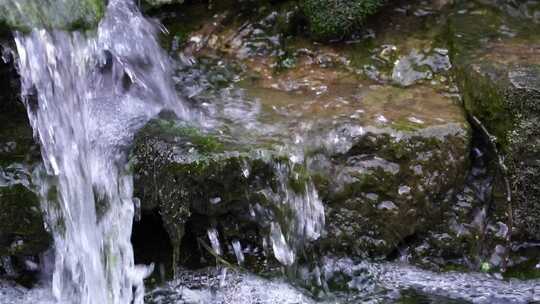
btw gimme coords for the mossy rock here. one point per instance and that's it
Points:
(392, 185)
(157, 3)
(17, 145)
(337, 18)
(386, 160)
(197, 182)
(25, 15)
(506, 100)
(150, 5)
(9, 83)
(499, 76)
(22, 231)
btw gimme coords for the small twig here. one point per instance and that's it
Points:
(492, 140)
(500, 160)
(217, 256)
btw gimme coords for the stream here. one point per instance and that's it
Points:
(87, 95)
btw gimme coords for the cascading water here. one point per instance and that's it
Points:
(86, 95)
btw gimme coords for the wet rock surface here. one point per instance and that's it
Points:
(9, 80)
(27, 14)
(374, 128)
(22, 231)
(387, 152)
(523, 9)
(499, 78)
(399, 173)
(195, 184)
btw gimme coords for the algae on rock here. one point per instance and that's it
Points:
(186, 175)
(498, 71)
(26, 235)
(158, 3)
(28, 14)
(385, 160)
(336, 19)
(396, 181)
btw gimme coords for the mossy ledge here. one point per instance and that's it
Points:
(25, 15)
(330, 20)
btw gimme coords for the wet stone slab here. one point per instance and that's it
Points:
(385, 159)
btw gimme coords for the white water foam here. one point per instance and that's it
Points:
(86, 95)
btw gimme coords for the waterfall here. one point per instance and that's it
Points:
(86, 94)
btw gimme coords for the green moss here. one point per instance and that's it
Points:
(68, 15)
(22, 231)
(180, 27)
(158, 3)
(16, 142)
(205, 143)
(337, 18)
(525, 270)
(406, 126)
(483, 98)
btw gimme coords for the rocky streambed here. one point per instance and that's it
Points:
(417, 137)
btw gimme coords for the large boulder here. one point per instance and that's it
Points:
(382, 178)
(498, 70)
(375, 128)
(198, 184)
(398, 177)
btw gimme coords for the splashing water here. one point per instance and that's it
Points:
(365, 283)
(300, 216)
(295, 215)
(86, 95)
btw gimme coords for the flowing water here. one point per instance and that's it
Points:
(365, 283)
(86, 95)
